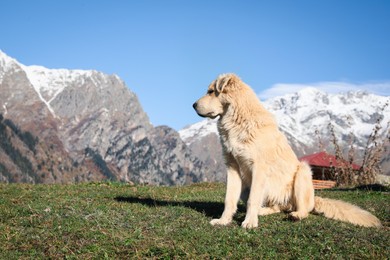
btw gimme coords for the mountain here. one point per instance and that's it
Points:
(87, 126)
(300, 115)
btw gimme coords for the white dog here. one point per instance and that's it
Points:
(262, 169)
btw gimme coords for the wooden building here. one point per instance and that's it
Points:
(323, 166)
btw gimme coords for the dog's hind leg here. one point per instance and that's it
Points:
(303, 197)
(263, 211)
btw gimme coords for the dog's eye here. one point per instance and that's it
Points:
(210, 91)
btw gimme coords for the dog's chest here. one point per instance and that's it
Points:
(233, 145)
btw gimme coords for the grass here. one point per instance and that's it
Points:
(117, 221)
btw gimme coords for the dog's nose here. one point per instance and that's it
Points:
(195, 105)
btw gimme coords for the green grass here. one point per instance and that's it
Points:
(117, 221)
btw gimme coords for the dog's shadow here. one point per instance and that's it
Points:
(209, 209)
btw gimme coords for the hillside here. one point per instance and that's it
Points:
(118, 221)
(26, 158)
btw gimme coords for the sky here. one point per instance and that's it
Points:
(168, 52)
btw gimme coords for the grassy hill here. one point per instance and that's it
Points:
(110, 220)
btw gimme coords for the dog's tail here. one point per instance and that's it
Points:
(343, 211)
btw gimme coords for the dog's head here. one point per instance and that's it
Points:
(214, 103)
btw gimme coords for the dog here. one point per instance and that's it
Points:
(262, 169)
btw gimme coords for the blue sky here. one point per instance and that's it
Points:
(168, 52)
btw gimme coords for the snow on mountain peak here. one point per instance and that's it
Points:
(50, 82)
(6, 63)
(5, 60)
(307, 111)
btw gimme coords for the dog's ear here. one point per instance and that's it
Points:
(223, 81)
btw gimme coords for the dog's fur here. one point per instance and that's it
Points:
(262, 169)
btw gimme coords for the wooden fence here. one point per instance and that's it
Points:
(320, 184)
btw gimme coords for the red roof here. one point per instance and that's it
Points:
(325, 160)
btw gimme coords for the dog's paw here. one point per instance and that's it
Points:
(295, 215)
(220, 222)
(250, 223)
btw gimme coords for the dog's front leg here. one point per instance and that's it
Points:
(233, 191)
(255, 200)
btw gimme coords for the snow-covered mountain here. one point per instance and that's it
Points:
(301, 114)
